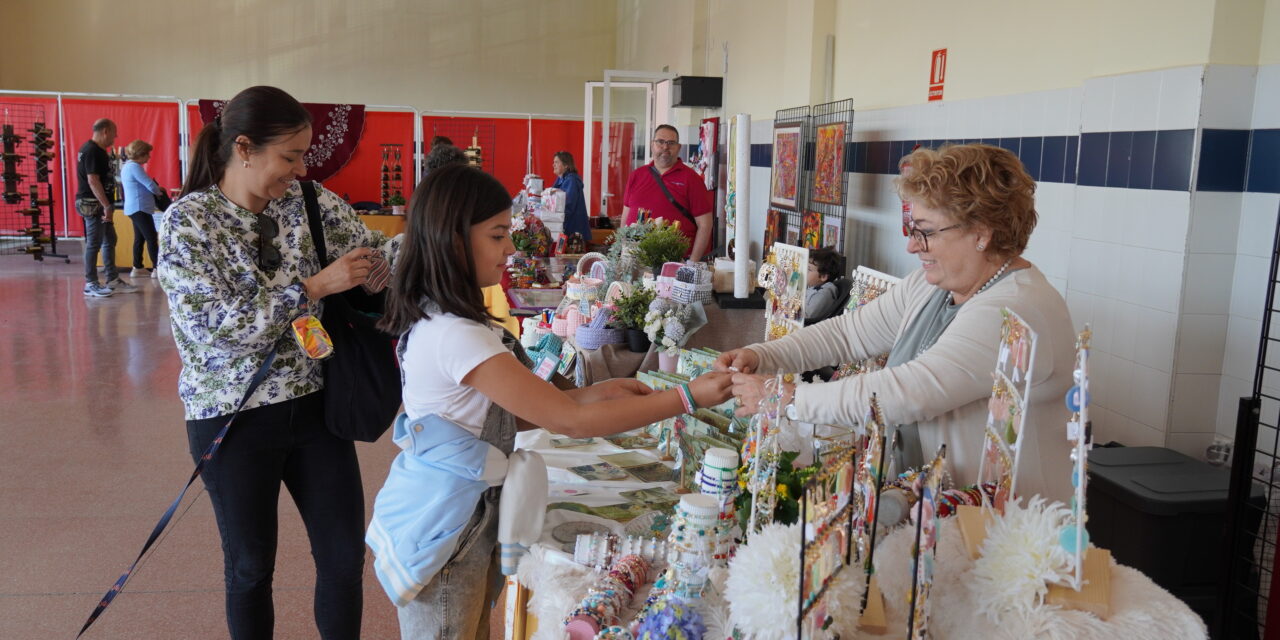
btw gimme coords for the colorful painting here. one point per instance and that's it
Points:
(811, 228)
(775, 225)
(923, 551)
(793, 236)
(828, 165)
(831, 232)
(708, 140)
(785, 186)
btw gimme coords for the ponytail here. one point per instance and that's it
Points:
(207, 165)
(261, 114)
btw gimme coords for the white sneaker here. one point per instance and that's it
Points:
(139, 272)
(95, 290)
(120, 286)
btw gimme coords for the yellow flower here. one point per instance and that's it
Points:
(782, 491)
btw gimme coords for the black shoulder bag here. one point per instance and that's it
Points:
(361, 378)
(672, 199)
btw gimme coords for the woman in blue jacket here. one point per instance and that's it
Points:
(575, 206)
(140, 191)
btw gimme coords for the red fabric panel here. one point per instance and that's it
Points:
(361, 178)
(155, 122)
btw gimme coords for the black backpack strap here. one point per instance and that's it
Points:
(312, 204)
(670, 198)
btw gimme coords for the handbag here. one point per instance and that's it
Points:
(361, 379)
(163, 201)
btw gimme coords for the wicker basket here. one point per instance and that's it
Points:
(597, 333)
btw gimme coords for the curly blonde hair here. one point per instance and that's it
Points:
(977, 184)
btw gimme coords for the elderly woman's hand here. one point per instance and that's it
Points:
(750, 390)
(738, 360)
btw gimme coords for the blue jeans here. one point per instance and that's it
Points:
(98, 234)
(285, 443)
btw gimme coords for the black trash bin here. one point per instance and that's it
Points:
(1164, 514)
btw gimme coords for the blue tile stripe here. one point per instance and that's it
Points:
(1230, 159)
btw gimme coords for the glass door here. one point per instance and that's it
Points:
(619, 115)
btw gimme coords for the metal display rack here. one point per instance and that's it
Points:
(26, 142)
(824, 115)
(1250, 566)
(464, 132)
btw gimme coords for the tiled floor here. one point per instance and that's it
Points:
(93, 449)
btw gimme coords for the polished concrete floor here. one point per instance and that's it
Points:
(93, 449)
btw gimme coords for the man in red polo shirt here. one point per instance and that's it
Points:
(686, 200)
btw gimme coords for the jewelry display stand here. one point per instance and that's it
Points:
(925, 547)
(783, 279)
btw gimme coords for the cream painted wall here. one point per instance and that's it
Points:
(1269, 52)
(497, 55)
(998, 48)
(1237, 26)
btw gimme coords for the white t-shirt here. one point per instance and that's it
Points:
(441, 352)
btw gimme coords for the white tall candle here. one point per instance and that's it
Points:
(742, 206)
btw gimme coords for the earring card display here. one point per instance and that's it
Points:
(1075, 538)
(923, 551)
(867, 285)
(1007, 415)
(783, 279)
(760, 452)
(826, 511)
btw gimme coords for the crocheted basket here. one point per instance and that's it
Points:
(583, 288)
(598, 333)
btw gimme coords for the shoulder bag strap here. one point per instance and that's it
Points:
(258, 377)
(670, 198)
(312, 204)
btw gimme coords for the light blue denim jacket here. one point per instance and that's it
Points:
(429, 496)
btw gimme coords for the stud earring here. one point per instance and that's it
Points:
(246, 164)
(980, 245)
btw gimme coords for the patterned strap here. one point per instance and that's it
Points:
(116, 588)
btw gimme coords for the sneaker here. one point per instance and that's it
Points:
(139, 272)
(120, 286)
(95, 290)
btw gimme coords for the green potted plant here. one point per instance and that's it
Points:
(664, 244)
(397, 204)
(630, 315)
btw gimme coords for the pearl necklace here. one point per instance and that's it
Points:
(951, 297)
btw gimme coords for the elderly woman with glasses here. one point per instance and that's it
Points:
(239, 264)
(972, 212)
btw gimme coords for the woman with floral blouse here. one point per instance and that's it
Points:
(238, 265)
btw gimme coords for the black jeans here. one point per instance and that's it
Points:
(285, 443)
(144, 229)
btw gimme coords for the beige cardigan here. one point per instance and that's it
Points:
(946, 389)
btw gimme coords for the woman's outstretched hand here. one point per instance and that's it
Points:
(750, 391)
(738, 361)
(711, 389)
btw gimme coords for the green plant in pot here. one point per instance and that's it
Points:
(397, 203)
(630, 315)
(664, 244)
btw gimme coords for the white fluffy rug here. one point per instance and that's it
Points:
(1141, 610)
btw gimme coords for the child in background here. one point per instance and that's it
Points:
(466, 392)
(823, 297)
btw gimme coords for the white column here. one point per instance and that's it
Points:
(742, 206)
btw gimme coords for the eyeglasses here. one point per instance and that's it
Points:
(667, 143)
(923, 236)
(269, 257)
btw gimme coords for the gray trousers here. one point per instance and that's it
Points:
(98, 234)
(456, 603)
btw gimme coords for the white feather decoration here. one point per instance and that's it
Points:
(1020, 553)
(763, 588)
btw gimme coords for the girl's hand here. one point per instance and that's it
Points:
(615, 388)
(342, 274)
(738, 360)
(710, 389)
(750, 390)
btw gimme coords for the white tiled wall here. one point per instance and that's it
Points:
(1171, 281)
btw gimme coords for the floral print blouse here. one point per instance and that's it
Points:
(227, 312)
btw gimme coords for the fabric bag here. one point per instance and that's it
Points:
(162, 201)
(361, 379)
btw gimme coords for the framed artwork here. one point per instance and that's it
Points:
(785, 185)
(831, 228)
(828, 165)
(793, 236)
(811, 230)
(775, 225)
(708, 139)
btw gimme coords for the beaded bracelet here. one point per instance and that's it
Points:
(686, 397)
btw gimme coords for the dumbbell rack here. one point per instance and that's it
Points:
(21, 231)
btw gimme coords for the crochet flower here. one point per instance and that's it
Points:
(671, 618)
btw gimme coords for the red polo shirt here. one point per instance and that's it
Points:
(686, 187)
